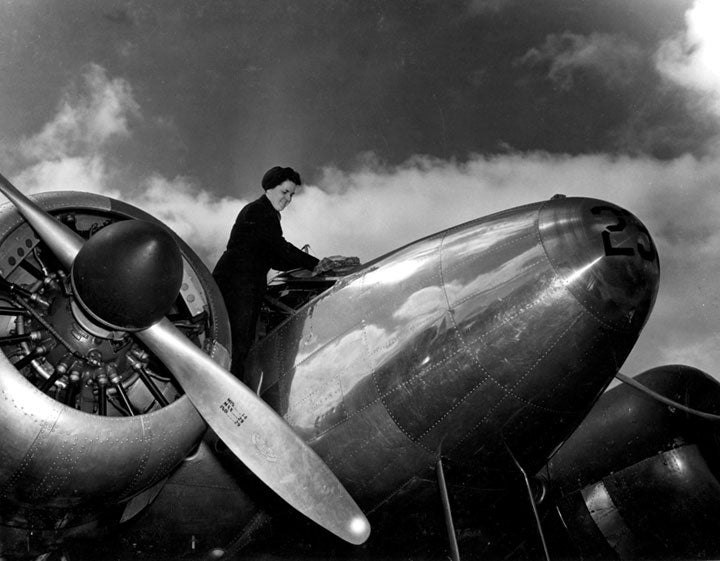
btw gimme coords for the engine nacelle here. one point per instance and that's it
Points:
(88, 419)
(639, 479)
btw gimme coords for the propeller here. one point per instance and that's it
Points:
(110, 273)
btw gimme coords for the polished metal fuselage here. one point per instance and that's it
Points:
(484, 342)
(490, 338)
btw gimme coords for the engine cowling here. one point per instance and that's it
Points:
(88, 417)
(639, 479)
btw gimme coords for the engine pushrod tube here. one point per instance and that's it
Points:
(124, 398)
(71, 394)
(34, 271)
(12, 311)
(27, 359)
(152, 386)
(102, 400)
(50, 382)
(9, 339)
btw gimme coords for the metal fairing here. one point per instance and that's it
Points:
(495, 335)
(639, 480)
(59, 466)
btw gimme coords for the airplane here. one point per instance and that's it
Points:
(424, 405)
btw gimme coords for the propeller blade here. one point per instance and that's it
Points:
(62, 241)
(254, 432)
(258, 436)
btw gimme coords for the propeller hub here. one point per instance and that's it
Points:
(128, 275)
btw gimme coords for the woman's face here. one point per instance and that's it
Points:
(281, 195)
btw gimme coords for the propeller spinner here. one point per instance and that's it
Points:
(132, 257)
(130, 261)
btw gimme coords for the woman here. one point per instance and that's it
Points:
(256, 245)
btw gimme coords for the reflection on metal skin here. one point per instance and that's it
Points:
(60, 466)
(639, 479)
(147, 253)
(120, 455)
(664, 507)
(505, 328)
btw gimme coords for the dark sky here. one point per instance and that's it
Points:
(235, 87)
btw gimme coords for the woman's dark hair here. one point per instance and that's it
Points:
(275, 176)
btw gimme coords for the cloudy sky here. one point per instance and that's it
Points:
(403, 118)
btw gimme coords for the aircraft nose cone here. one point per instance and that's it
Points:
(605, 256)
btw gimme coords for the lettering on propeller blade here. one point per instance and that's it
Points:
(619, 226)
(228, 407)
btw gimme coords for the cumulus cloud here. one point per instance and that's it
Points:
(657, 96)
(71, 153)
(375, 207)
(85, 120)
(201, 219)
(69, 173)
(614, 58)
(692, 58)
(391, 206)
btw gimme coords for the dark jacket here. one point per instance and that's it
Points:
(256, 245)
